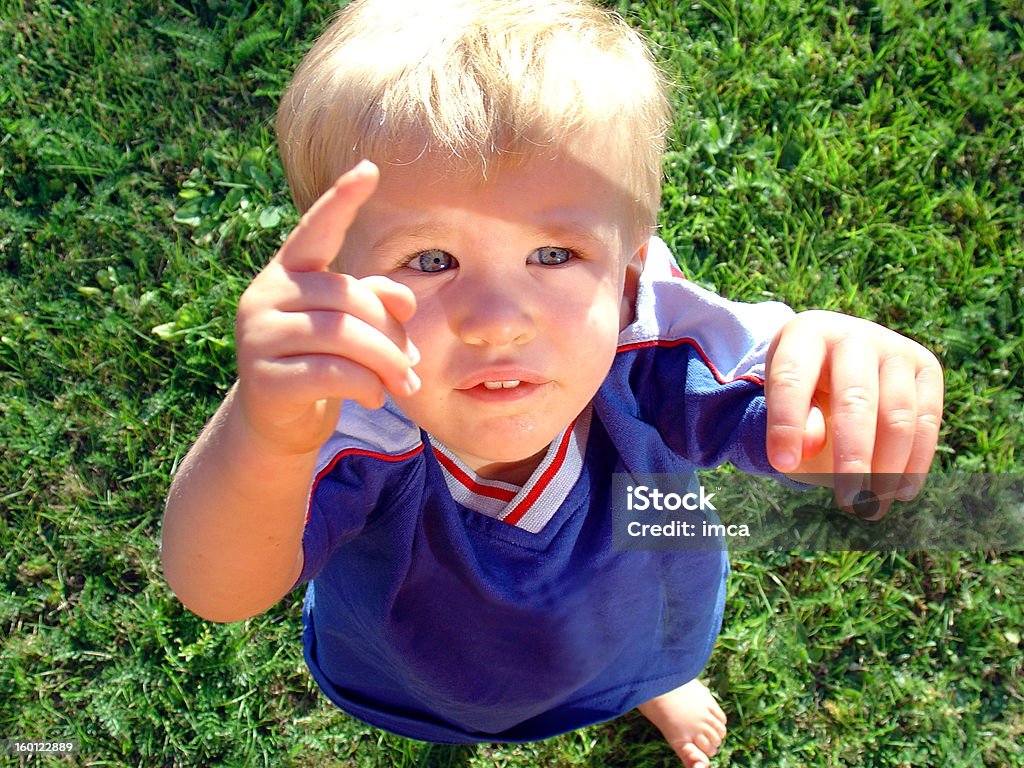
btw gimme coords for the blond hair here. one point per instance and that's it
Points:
(475, 81)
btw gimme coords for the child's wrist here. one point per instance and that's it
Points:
(277, 442)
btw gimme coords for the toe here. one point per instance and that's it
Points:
(691, 756)
(718, 726)
(707, 743)
(716, 710)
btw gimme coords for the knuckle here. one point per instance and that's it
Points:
(785, 381)
(851, 460)
(929, 422)
(344, 284)
(376, 282)
(784, 375)
(901, 421)
(251, 298)
(896, 359)
(855, 399)
(929, 369)
(929, 360)
(784, 430)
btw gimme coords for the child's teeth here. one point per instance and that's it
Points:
(501, 384)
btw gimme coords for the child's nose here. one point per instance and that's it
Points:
(495, 316)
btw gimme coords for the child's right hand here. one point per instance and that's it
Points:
(308, 338)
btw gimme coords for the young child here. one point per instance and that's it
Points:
(459, 346)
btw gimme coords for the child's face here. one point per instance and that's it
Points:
(521, 290)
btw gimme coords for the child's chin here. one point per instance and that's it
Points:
(527, 455)
(513, 463)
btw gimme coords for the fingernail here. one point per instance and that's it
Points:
(907, 491)
(359, 169)
(412, 353)
(412, 382)
(363, 167)
(865, 505)
(786, 461)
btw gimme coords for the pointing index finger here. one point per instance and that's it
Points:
(315, 242)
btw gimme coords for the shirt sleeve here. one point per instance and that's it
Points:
(698, 372)
(367, 468)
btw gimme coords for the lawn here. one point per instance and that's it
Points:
(856, 156)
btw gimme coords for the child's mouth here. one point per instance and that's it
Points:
(502, 390)
(510, 384)
(502, 384)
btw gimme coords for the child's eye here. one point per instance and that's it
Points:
(550, 256)
(434, 260)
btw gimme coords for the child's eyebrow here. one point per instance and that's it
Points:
(561, 227)
(576, 231)
(423, 230)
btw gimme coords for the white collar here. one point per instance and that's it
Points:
(532, 506)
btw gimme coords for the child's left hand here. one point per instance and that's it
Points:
(856, 401)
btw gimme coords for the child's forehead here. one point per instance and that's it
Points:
(552, 167)
(559, 188)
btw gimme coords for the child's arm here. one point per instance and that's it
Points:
(307, 338)
(879, 398)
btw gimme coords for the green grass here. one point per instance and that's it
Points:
(854, 156)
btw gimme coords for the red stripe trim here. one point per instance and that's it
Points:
(501, 494)
(356, 452)
(371, 454)
(523, 506)
(692, 342)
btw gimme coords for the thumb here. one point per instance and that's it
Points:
(815, 435)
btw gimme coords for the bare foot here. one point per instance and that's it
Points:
(690, 720)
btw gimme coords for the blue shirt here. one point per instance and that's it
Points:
(445, 607)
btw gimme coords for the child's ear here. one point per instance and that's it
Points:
(639, 258)
(634, 267)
